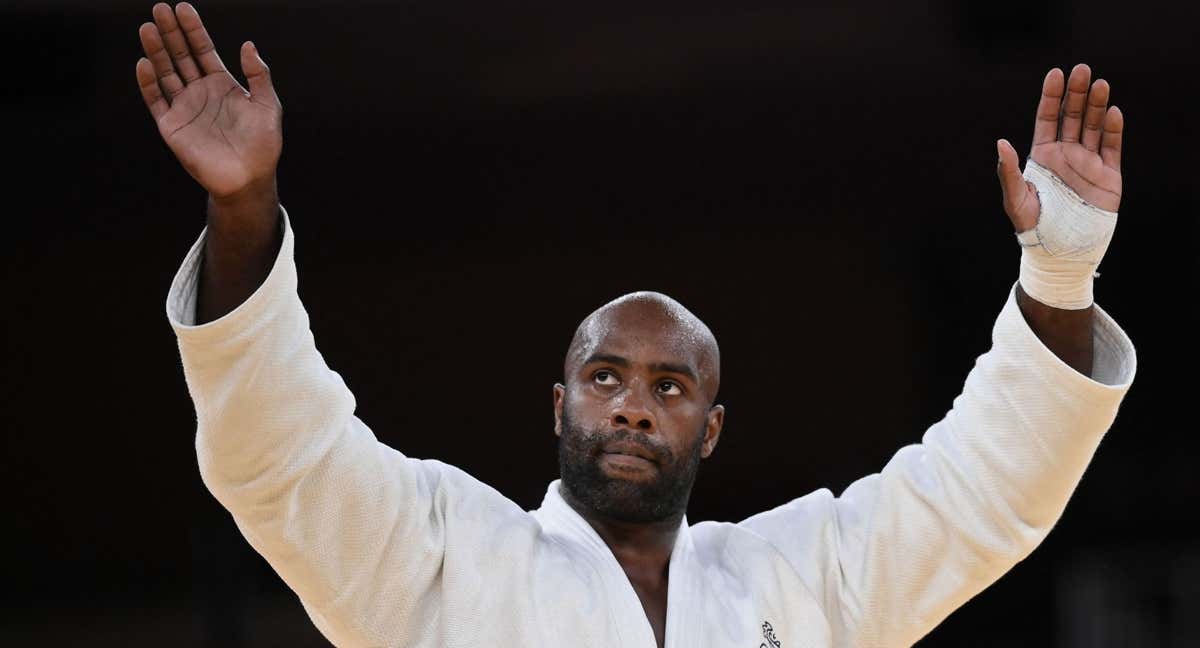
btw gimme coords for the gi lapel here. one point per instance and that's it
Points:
(558, 518)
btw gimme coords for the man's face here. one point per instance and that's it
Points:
(634, 418)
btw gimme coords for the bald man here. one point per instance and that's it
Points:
(386, 550)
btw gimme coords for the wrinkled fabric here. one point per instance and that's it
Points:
(388, 550)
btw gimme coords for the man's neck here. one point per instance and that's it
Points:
(642, 548)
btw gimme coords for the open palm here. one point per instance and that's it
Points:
(228, 139)
(1077, 136)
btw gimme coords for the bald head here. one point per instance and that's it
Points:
(665, 332)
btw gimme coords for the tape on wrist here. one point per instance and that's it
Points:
(1060, 255)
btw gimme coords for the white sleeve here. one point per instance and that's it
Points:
(900, 550)
(355, 528)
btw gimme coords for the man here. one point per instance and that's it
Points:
(387, 550)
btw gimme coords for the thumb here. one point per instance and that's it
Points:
(258, 76)
(1016, 191)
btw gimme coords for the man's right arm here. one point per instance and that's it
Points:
(356, 529)
(359, 531)
(244, 236)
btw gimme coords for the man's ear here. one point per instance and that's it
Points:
(712, 430)
(559, 393)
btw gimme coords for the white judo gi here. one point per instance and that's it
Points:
(386, 550)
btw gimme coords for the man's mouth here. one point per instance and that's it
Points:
(624, 462)
(629, 454)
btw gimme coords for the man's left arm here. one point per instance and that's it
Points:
(1068, 333)
(899, 550)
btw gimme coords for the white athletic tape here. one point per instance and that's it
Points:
(1060, 255)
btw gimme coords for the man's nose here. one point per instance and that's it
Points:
(634, 412)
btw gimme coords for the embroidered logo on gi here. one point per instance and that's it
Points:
(769, 635)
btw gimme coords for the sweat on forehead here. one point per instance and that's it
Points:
(646, 311)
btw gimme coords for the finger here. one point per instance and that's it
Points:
(176, 45)
(1074, 102)
(152, 43)
(1093, 119)
(1110, 140)
(1012, 185)
(258, 76)
(1045, 125)
(198, 40)
(151, 93)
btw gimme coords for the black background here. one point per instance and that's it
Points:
(468, 179)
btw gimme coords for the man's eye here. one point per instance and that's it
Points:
(605, 378)
(668, 388)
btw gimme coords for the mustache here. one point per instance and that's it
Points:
(625, 441)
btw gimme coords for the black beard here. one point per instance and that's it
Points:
(666, 496)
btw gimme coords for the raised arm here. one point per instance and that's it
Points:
(229, 139)
(899, 550)
(360, 532)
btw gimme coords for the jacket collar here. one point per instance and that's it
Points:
(564, 524)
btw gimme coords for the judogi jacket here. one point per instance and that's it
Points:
(388, 550)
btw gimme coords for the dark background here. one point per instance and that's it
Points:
(469, 179)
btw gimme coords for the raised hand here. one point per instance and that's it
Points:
(228, 139)
(1077, 137)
